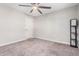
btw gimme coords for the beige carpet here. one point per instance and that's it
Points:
(38, 47)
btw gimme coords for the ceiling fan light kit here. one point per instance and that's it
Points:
(34, 8)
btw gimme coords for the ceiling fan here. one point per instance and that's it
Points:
(36, 6)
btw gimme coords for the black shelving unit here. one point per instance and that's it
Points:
(73, 33)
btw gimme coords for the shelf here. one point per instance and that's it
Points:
(73, 39)
(73, 26)
(73, 32)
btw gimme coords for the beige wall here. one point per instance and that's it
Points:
(14, 25)
(55, 26)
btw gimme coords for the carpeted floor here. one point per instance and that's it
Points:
(38, 47)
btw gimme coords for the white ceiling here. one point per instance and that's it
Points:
(55, 7)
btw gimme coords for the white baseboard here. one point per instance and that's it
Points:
(54, 40)
(13, 42)
(33, 37)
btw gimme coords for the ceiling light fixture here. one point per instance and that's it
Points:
(34, 7)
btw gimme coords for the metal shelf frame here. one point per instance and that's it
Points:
(73, 41)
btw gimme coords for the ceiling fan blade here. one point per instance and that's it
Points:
(35, 3)
(38, 3)
(44, 7)
(31, 11)
(39, 11)
(26, 5)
